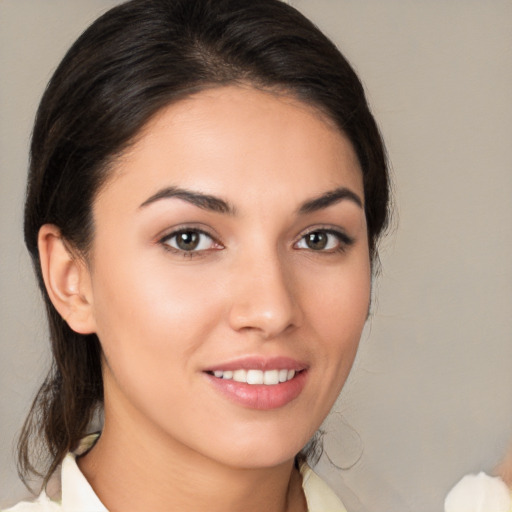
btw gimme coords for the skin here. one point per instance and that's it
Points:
(504, 469)
(255, 288)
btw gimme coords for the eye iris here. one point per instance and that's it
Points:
(187, 240)
(317, 241)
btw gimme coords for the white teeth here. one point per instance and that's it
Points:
(240, 375)
(254, 377)
(283, 375)
(269, 377)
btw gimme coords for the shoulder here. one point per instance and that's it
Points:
(40, 504)
(319, 496)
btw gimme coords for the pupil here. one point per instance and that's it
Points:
(317, 241)
(187, 241)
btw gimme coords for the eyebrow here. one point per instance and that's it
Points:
(215, 204)
(328, 199)
(204, 201)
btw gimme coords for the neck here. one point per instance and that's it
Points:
(134, 468)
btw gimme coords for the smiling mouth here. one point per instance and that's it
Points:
(256, 377)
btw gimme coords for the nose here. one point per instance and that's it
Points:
(264, 299)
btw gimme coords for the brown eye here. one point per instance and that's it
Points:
(317, 240)
(189, 240)
(324, 240)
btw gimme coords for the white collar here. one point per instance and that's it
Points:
(319, 496)
(77, 494)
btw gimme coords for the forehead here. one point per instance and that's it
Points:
(234, 137)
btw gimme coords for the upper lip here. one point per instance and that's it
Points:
(259, 363)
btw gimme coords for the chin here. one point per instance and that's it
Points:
(264, 451)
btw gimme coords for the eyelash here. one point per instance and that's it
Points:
(343, 241)
(164, 241)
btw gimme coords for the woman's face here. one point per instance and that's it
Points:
(230, 276)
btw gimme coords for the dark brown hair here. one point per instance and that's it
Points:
(133, 61)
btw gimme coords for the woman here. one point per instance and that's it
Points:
(206, 192)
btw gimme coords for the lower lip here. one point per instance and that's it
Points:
(260, 396)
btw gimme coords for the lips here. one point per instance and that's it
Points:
(257, 383)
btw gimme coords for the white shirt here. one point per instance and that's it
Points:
(78, 496)
(479, 493)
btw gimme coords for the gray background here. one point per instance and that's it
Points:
(430, 397)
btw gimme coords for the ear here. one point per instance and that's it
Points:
(67, 280)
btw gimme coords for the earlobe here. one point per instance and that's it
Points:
(67, 280)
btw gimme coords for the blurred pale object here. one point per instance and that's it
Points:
(479, 493)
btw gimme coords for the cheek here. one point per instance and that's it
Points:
(339, 301)
(338, 309)
(152, 321)
(148, 310)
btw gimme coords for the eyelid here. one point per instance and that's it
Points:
(183, 228)
(192, 226)
(344, 239)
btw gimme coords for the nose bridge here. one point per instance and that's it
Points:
(264, 298)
